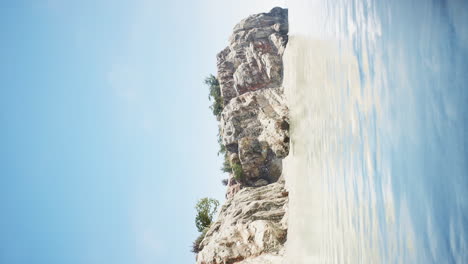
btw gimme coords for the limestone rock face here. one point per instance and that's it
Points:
(250, 227)
(253, 59)
(254, 124)
(254, 128)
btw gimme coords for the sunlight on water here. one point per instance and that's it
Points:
(377, 171)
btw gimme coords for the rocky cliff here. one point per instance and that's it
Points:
(254, 128)
(254, 123)
(250, 225)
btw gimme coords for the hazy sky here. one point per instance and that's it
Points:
(107, 140)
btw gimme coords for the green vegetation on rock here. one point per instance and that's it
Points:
(206, 208)
(215, 95)
(222, 147)
(225, 182)
(226, 165)
(196, 245)
(238, 172)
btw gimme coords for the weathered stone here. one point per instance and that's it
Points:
(254, 127)
(252, 60)
(250, 73)
(249, 224)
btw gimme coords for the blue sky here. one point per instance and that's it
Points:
(107, 140)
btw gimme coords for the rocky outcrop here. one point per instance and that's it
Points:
(254, 124)
(255, 131)
(251, 225)
(254, 128)
(253, 60)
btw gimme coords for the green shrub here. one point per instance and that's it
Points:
(225, 182)
(222, 147)
(238, 172)
(226, 165)
(215, 95)
(196, 245)
(206, 208)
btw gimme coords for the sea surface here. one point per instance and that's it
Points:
(378, 171)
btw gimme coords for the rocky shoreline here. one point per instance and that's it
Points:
(254, 129)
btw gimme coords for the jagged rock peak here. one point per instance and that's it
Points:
(252, 60)
(254, 124)
(277, 15)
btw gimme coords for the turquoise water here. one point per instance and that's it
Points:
(378, 171)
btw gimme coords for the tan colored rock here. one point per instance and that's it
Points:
(254, 126)
(255, 129)
(252, 60)
(254, 123)
(249, 224)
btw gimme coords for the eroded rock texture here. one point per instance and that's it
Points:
(255, 131)
(254, 124)
(254, 127)
(252, 60)
(250, 224)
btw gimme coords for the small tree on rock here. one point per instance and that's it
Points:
(215, 95)
(206, 208)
